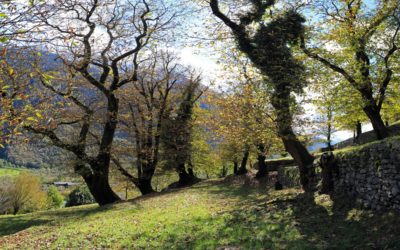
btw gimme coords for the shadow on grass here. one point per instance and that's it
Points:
(342, 224)
(11, 225)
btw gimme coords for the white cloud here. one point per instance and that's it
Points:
(203, 63)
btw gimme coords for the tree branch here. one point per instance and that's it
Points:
(326, 62)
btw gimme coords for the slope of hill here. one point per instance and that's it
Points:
(367, 137)
(210, 215)
(9, 169)
(9, 172)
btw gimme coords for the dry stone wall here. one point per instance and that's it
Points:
(371, 174)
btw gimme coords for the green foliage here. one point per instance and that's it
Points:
(80, 196)
(204, 155)
(358, 42)
(56, 199)
(290, 176)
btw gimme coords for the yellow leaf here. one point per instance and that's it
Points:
(33, 119)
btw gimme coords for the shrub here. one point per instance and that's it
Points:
(56, 199)
(289, 176)
(22, 193)
(80, 196)
(5, 197)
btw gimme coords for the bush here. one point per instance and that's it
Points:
(289, 176)
(5, 197)
(56, 199)
(22, 193)
(80, 196)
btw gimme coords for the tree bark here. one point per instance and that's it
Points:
(235, 167)
(99, 187)
(144, 186)
(15, 210)
(262, 165)
(191, 173)
(300, 154)
(329, 168)
(147, 173)
(185, 177)
(242, 170)
(381, 131)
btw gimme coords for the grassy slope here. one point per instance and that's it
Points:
(210, 215)
(9, 171)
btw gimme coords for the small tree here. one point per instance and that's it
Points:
(177, 133)
(25, 193)
(55, 198)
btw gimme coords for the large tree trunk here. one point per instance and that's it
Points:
(329, 168)
(235, 167)
(191, 173)
(98, 180)
(99, 187)
(145, 176)
(144, 186)
(300, 154)
(15, 209)
(185, 177)
(262, 166)
(374, 116)
(329, 132)
(242, 169)
(303, 159)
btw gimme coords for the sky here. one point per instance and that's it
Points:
(202, 61)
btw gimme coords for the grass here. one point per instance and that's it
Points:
(9, 172)
(366, 145)
(210, 215)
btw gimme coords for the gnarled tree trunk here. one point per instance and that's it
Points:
(293, 146)
(99, 187)
(262, 165)
(242, 170)
(235, 167)
(144, 185)
(381, 131)
(146, 174)
(329, 168)
(185, 177)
